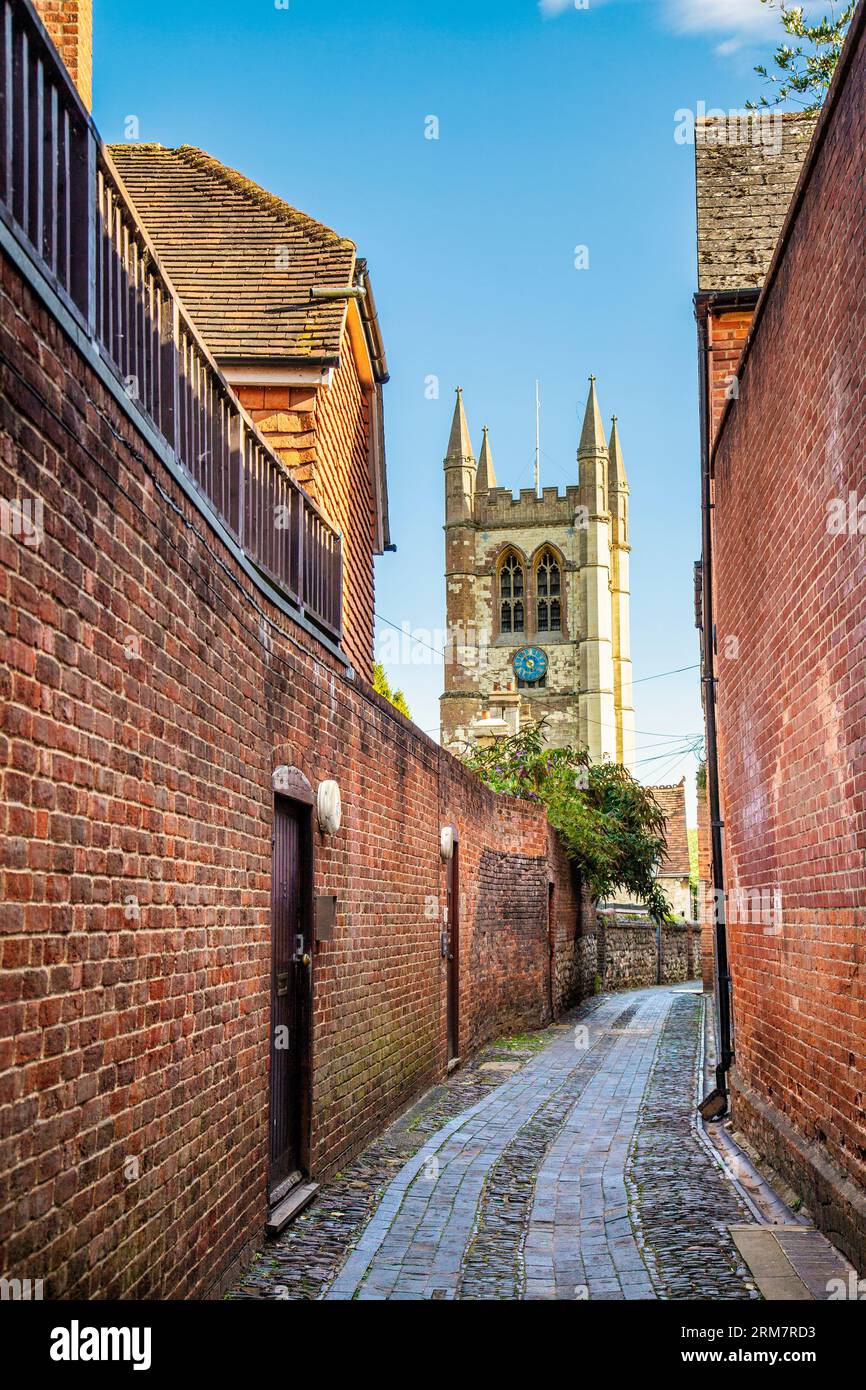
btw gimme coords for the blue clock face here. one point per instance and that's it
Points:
(530, 664)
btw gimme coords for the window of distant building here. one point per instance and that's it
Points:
(548, 593)
(512, 601)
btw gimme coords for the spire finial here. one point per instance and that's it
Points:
(618, 481)
(459, 443)
(485, 478)
(592, 440)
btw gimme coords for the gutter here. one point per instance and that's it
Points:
(709, 682)
(720, 301)
(370, 320)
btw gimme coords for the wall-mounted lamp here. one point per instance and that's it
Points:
(329, 807)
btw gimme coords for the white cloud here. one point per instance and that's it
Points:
(728, 47)
(736, 21)
(744, 18)
(551, 8)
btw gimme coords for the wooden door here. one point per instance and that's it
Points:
(291, 963)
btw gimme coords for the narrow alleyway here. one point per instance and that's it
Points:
(568, 1169)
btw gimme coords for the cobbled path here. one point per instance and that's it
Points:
(580, 1176)
(683, 1208)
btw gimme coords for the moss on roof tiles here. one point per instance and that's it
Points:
(219, 235)
(744, 190)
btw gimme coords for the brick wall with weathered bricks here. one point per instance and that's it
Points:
(70, 27)
(149, 689)
(790, 605)
(728, 331)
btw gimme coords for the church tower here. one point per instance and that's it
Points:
(537, 599)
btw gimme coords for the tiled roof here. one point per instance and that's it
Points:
(744, 190)
(241, 259)
(672, 800)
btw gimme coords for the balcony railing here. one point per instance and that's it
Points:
(62, 197)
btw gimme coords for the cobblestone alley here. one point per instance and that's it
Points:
(563, 1166)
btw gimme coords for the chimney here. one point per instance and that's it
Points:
(70, 26)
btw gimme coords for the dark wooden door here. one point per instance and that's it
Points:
(453, 949)
(290, 988)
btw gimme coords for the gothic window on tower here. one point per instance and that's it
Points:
(548, 593)
(511, 607)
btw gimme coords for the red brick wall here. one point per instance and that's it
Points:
(705, 889)
(148, 692)
(727, 332)
(322, 434)
(503, 907)
(70, 26)
(791, 621)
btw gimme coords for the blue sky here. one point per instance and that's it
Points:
(556, 129)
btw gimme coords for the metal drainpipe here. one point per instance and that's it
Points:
(723, 979)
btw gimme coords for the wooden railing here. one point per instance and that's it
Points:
(63, 199)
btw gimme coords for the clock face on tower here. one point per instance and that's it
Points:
(530, 664)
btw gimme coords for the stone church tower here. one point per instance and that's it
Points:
(538, 598)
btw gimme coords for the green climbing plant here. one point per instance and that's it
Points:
(805, 68)
(609, 824)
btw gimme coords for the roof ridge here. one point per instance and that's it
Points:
(254, 193)
(737, 116)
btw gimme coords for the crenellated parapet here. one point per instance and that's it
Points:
(502, 507)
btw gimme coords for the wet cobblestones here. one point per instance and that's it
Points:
(681, 1202)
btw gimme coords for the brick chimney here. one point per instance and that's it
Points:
(70, 26)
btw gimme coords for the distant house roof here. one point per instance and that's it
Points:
(242, 260)
(672, 800)
(746, 178)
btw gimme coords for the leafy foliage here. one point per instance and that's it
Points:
(805, 68)
(382, 686)
(609, 824)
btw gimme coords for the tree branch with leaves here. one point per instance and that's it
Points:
(806, 67)
(609, 824)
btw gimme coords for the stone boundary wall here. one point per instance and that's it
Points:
(631, 952)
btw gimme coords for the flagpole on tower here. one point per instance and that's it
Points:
(537, 442)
